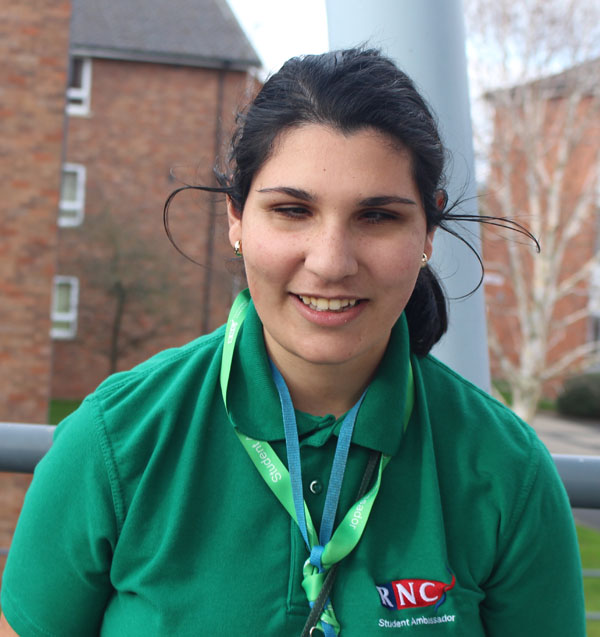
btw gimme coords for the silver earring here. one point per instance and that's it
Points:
(237, 248)
(424, 260)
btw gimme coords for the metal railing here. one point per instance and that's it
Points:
(581, 477)
(22, 446)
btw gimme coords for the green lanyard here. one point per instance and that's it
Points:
(277, 477)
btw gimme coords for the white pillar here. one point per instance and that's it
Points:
(426, 39)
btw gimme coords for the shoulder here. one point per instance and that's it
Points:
(137, 415)
(462, 409)
(161, 373)
(163, 383)
(159, 387)
(481, 445)
(492, 467)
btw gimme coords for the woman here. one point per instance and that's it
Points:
(149, 516)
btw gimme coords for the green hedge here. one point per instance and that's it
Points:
(580, 396)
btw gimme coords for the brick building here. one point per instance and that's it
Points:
(151, 104)
(34, 49)
(34, 38)
(545, 157)
(106, 108)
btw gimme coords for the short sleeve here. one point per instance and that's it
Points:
(536, 587)
(56, 580)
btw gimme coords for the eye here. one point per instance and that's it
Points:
(379, 216)
(292, 212)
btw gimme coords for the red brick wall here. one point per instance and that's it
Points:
(33, 50)
(146, 120)
(12, 490)
(33, 47)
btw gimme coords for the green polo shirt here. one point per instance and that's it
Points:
(148, 518)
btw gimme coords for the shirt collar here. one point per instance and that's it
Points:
(255, 409)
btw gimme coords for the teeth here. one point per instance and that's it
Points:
(321, 304)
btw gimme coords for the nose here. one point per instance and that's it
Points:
(331, 254)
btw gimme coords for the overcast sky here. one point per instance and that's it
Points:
(280, 29)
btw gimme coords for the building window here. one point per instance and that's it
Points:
(65, 297)
(80, 86)
(72, 195)
(493, 278)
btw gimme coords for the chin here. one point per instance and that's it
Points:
(324, 356)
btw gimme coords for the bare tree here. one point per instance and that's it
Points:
(537, 64)
(133, 292)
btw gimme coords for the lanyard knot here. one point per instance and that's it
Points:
(312, 583)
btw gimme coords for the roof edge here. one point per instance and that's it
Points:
(132, 55)
(583, 76)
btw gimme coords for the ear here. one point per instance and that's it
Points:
(428, 247)
(441, 199)
(234, 218)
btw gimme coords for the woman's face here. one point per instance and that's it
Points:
(333, 232)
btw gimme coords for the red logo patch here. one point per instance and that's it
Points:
(414, 593)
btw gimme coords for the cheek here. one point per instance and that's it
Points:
(397, 266)
(267, 259)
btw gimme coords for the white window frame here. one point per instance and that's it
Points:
(82, 94)
(70, 316)
(76, 207)
(493, 278)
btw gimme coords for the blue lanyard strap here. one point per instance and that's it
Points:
(337, 470)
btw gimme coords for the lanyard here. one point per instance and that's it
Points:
(325, 549)
(337, 470)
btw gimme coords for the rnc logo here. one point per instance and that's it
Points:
(414, 593)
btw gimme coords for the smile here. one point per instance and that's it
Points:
(324, 305)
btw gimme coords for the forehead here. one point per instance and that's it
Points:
(326, 157)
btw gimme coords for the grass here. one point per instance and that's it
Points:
(589, 545)
(60, 409)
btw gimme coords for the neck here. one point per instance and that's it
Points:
(324, 388)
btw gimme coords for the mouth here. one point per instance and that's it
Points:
(321, 304)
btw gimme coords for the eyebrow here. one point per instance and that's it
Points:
(385, 200)
(304, 195)
(297, 193)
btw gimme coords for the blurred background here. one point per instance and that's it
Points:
(107, 107)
